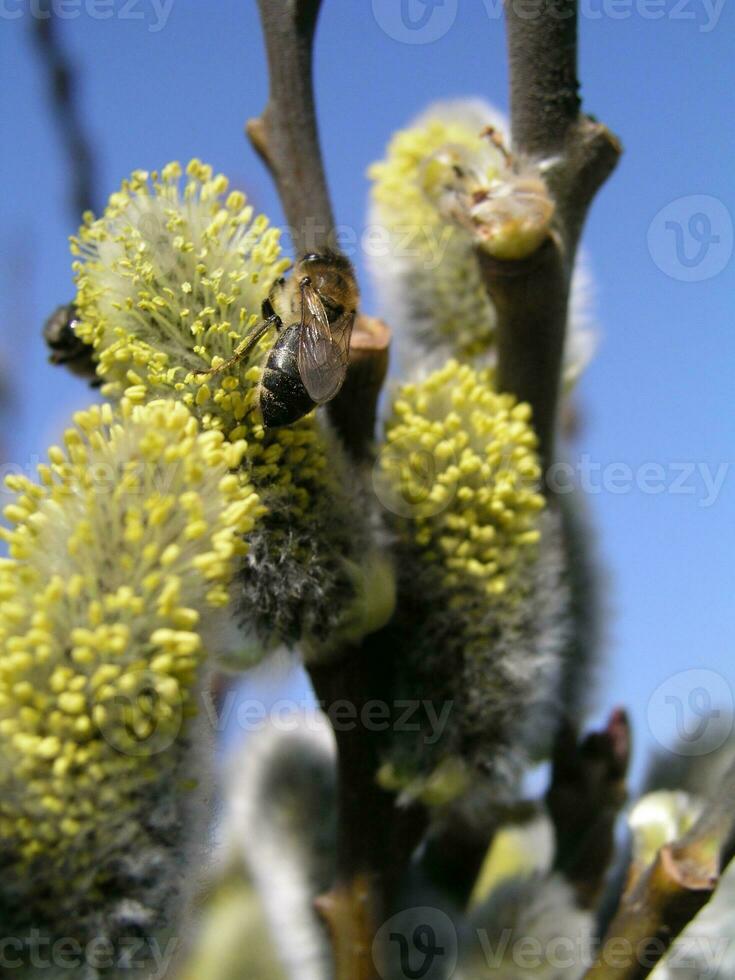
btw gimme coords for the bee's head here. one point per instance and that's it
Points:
(60, 334)
(327, 257)
(66, 346)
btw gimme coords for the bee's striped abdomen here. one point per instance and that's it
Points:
(283, 397)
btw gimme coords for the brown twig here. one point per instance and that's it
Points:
(354, 411)
(286, 135)
(531, 295)
(531, 298)
(542, 56)
(62, 86)
(680, 882)
(374, 842)
(348, 913)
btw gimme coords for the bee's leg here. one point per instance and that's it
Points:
(250, 341)
(270, 314)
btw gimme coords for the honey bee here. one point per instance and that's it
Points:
(66, 347)
(308, 362)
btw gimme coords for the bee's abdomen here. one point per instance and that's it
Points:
(283, 397)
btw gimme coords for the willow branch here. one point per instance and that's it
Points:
(542, 56)
(62, 89)
(531, 298)
(375, 839)
(373, 842)
(670, 893)
(531, 295)
(354, 410)
(286, 135)
(351, 920)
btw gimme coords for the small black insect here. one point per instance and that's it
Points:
(308, 362)
(66, 347)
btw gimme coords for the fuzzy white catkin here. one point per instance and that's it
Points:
(308, 567)
(528, 927)
(427, 280)
(523, 918)
(280, 814)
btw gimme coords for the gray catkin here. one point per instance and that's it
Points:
(493, 669)
(281, 814)
(586, 579)
(298, 578)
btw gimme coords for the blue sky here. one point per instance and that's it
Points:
(163, 80)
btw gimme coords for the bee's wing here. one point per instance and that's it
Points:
(324, 348)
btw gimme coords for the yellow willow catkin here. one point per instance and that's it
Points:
(429, 279)
(170, 280)
(463, 458)
(117, 560)
(482, 581)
